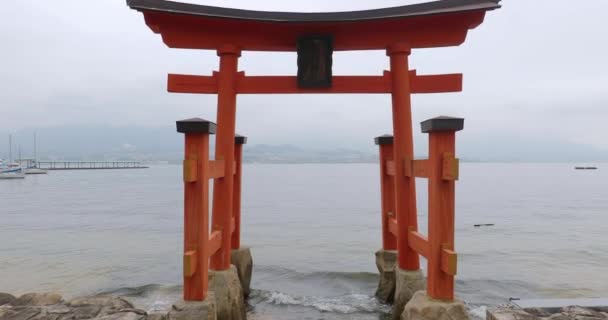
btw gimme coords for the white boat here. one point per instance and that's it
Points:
(12, 175)
(12, 170)
(34, 170)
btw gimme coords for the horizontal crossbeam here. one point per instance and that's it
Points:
(180, 83)
(416, 168)
(217, 169)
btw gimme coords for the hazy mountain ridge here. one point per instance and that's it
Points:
(164, 144)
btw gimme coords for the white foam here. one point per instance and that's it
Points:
(478, 313)
(346, 304)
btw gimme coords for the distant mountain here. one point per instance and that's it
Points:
(164, 143)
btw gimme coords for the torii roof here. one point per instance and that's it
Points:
(431, 24)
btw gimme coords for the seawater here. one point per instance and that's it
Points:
(313, 229)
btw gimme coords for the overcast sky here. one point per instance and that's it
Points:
(534, 68)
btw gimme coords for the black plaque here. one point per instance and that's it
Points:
(315, 61)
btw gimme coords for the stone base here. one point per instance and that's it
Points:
(229, 301)
(407, 284)
(422, 307)
(191, 310)
(386, 261)
(242, 260)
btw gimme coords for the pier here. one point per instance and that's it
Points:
(89, 165)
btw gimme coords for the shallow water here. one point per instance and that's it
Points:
(313, 230)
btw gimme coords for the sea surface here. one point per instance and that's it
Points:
(313, 230)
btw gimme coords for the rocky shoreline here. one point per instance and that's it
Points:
(511, 312)
(52, 306)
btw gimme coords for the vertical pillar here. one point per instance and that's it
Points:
(196, 206)
(387, 190)
(443, 171)
(403, 149)
(236, 196)
(224, 150)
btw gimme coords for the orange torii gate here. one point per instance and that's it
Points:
(315, 36)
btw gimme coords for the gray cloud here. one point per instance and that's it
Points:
(534, 68)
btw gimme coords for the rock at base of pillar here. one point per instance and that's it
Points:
(242, 260)
(229, 301)
(423, 307)
(385, 262)
(407, 283)
(192, 310)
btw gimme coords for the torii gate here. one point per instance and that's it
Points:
(314, 36)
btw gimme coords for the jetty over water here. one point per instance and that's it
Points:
(90, 165)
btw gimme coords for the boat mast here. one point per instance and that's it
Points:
(10, 149)
(35, 152)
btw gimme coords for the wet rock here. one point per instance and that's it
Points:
(58, 309)
(6, 298)
(37, 299)
(194, 310)
(129, 315)
(157, 316)
(509, 312)
(20, 313)
(558, 316)
(407, 283)
(242, 260)
(385, 262)
(422, 307)
(83, 312)
(538, 312)
(229, 301)
(580, 313)
(102, 301)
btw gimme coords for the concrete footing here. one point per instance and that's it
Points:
(407, 283)
(423, 307)
(229, 300)
(242, 260)
(192, 310)
(386, 260)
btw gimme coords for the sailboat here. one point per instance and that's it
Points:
(32, 167)
(10, 170)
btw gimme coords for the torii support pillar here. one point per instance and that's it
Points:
(441, 169)
(240, 256)
(386, 258)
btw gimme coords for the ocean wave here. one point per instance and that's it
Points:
(298, 275)
(345, 304)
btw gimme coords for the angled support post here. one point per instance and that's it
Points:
(443, 171)
(196, 206)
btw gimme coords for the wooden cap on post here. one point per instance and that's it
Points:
(196, 125)
(442, 123)
(384, 140)
(239, 139)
